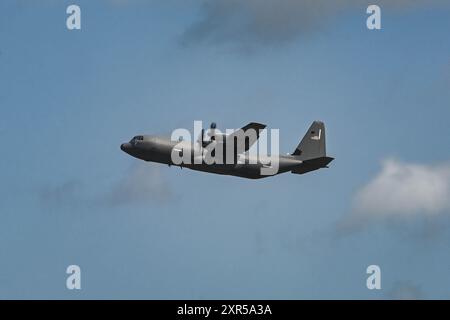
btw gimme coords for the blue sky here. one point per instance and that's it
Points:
(70, 196)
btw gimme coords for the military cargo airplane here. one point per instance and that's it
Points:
(309, 155)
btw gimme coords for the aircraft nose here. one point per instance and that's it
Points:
(125, 146)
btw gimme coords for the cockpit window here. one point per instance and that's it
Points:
(136, 138)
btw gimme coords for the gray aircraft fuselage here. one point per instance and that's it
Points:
(309, 156)
(157, 149)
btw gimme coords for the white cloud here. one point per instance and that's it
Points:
(405, 189)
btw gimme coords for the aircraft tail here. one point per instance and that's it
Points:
(313, 143)
(311, 150)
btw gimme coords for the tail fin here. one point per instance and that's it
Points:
(311, 150)
(313, 143)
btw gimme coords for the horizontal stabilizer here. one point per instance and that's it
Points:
(312, 164)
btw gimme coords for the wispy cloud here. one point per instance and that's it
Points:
(68, 193)
(405, 290)
(141, 184)
(253, 24)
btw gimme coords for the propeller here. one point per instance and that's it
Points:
(201, 139)
(212, 129)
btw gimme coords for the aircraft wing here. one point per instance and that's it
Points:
(250, 132)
